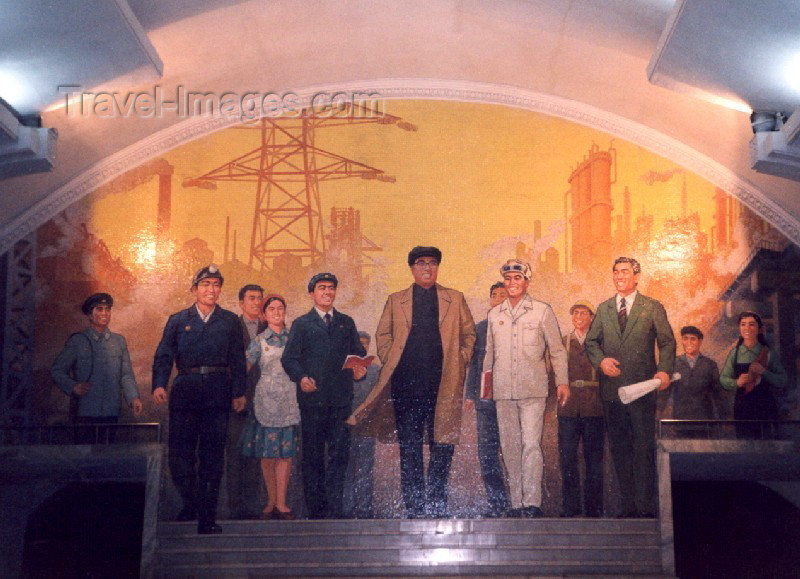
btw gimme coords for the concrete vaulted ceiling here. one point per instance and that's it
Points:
(582, 60)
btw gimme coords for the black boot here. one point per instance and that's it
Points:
(207, 513)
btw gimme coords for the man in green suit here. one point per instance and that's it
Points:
(622, 343)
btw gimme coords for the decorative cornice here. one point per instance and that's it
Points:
(461, 91)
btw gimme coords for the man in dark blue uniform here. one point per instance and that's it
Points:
(486, 416)
(319, 342)
(205, 344)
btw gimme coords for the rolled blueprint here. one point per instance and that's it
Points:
(635, 391)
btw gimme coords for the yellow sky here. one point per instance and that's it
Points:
(471, 175)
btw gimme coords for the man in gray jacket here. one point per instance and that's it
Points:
(95, 366)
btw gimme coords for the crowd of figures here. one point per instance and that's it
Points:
(251, 392)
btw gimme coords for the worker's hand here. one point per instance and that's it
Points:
(359, 372)
(664, 377)
(239, 403)
(81, 388)
(562, 393)
(610, 367)
(137, 406)
(159, 395)
(308, 384)
(744, 379)
(756, 369)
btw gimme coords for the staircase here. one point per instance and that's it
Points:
(616, 547)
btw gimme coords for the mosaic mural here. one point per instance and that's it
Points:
(274, 201)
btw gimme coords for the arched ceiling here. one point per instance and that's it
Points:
(589, 55)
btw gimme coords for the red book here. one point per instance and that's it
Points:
(353, 361)
(486, 385)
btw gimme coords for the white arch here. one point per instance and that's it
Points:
(183, 132)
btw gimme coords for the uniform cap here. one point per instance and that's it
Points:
(94, 300)
(324, 276)
(582, 304)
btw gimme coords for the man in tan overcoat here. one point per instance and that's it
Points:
(425, 339)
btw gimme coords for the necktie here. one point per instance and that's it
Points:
(622, 315)
(328, 321)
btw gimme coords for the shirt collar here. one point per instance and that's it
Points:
(202, 317)
(271, 336)
(270, 332)
(524, 302)
(629, 299)
(755, 349)
(419, 290)
(322, 313)
(579, 337)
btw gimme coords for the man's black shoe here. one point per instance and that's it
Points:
(532, 512)
(209, 529)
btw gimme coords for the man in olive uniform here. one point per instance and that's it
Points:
(581, 418)
(205, 343)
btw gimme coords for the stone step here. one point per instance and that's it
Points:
(268, 554)
(438, 526)
(383, 540)
(412, 547)
(597, 570)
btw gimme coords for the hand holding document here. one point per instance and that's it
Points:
(635, 391)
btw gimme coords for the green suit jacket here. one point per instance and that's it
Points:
(646, 331)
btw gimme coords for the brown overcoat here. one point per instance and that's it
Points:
(458, 339)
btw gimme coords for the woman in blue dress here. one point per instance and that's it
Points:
(272, 430)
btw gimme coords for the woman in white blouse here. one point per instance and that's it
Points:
(272, 431)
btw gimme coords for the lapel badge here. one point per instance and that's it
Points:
(501, 322)
(187, 328)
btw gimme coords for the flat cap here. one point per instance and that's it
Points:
(99, 299)
(692, 331)
(423, 251)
